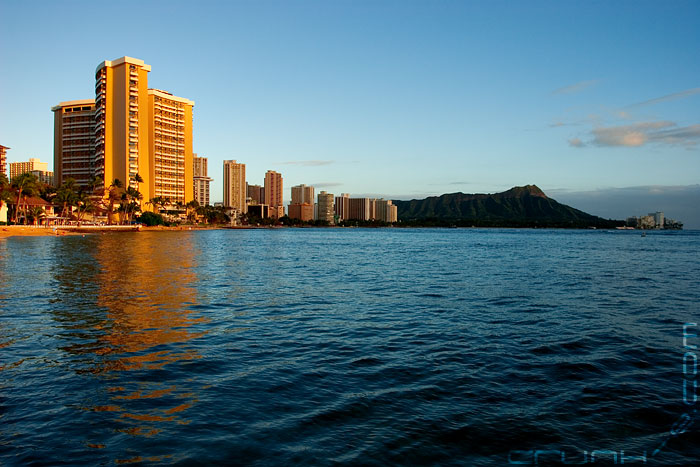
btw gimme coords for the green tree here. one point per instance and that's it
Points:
(67, 195)
(85, 204)
(192, 207)
(113, 196)
(150, 219)
(158, 203)
(35, 214)
(5, 191)
(133, 198)
(24, 184)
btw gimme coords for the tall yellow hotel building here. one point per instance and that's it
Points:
(235, 187)
(137, 130)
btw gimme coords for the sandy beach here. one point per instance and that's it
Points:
(29, 231)
(33, 231)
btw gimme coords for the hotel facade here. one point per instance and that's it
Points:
(3, 159)
(74, 141)
(34, 167)
(235, 186)
(135, 131)
(201, 180)
(274, 194)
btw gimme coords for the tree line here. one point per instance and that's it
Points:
(73, 202)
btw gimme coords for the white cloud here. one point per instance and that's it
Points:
(668, 97)
(311, 163)
(640, 134)
(578, 87)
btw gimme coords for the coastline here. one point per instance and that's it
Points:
(7, 231)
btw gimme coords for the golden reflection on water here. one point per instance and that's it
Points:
(147, 286)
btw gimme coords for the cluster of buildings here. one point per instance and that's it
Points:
(127, 129)
(33, 166)
(266, 200)
(142, 136)
(653, 220)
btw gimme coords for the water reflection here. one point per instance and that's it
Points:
(135, 328)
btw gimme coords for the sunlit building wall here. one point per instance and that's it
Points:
(324, 210)
(18, 168)
(342, 206)
(256, 194)
(385, 210)
(122, 147)
(170, 162)
(201, 180)
(74, 142)
(302, 194)
(358, 209)
(274, 194)
(302, 211)
(3, 159)
(235, 186)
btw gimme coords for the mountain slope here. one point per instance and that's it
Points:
(519, 206)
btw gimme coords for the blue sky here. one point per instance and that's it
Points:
(398, 99)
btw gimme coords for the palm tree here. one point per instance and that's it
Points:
(36, 213)
(84, 203)
(113, 196)
(158, 203)
(66, 194)
(133, 198)
(24, 183)
(5, 191)
(95, 183)
(192, 210)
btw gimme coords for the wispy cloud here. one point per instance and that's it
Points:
(666, 98)
(640, 134)
(326, 184)
(311, 163)
(634, 135)
(578, 87)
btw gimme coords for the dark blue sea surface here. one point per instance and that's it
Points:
(349, 346)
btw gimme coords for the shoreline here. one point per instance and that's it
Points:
(7, 231)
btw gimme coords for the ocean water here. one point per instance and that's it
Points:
(351, 347)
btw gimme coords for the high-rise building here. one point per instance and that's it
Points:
(201, 180)
(325, 207)
(121, 123)
(256, 194)
(273, 193)
(18, 168)
(170, 162)
(3, 159)
(235, 186)
(44, 176)
(359, 209)
(385, 210)
(302, 211)
(135, 131)
(302, 194)
(35, 167)
(342, 206)
(74, 142)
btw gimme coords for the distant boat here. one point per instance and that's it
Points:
(644, 234)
